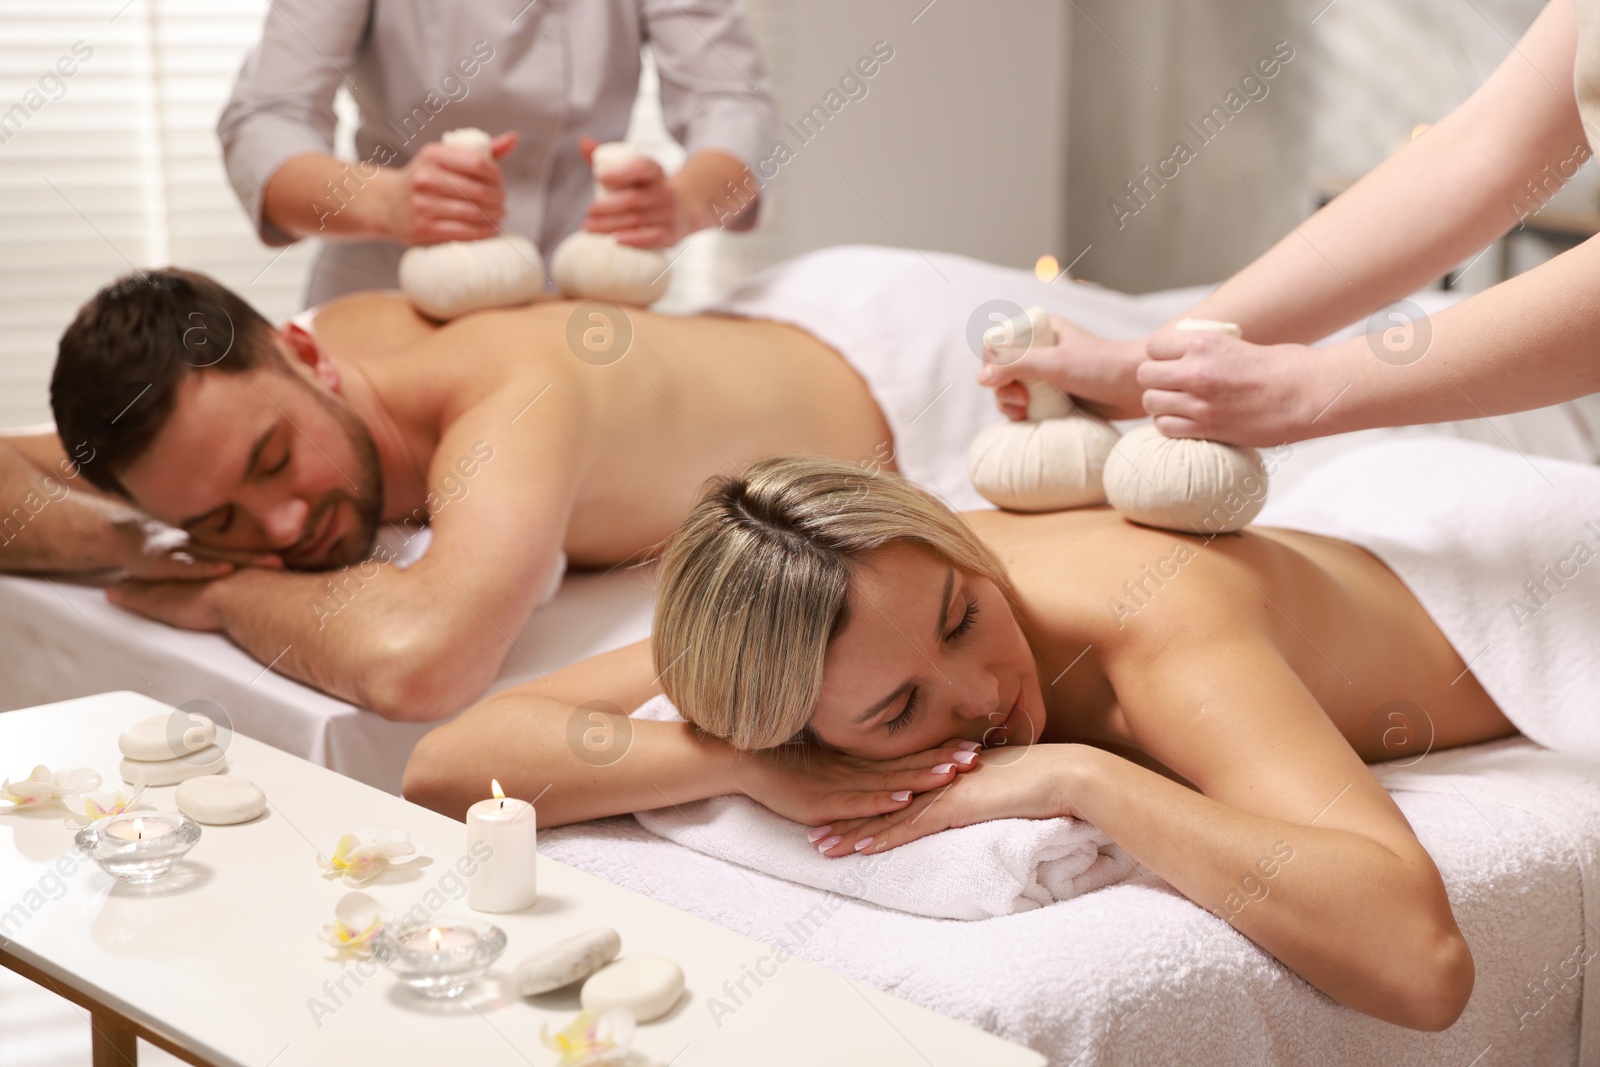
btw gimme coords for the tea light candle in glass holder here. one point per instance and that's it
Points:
(442, 958)
(503, 837)
(138, 847)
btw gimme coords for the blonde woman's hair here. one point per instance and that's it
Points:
(755, 584)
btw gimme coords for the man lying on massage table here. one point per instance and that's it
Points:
(844, 648)
(288, 447)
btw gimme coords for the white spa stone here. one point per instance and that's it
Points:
(220, 799)
(648, 986)
(567, 960)
(165, 737)
(208, 760)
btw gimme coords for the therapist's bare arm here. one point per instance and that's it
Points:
(445, 193)
(421, 643)
(1525, 343)
(1425, 210)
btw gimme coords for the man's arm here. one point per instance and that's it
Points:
(51, 520)
(420, 644)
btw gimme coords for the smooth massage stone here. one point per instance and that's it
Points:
(167, 736)
(208, 760)
(648, 986)
(220, 799)
(567, 961)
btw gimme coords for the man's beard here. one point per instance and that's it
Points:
(365, 497)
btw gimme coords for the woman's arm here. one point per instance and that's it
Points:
(1290, 839)
(1360, 910)
(563, 739)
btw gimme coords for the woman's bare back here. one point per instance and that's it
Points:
(1359, 641)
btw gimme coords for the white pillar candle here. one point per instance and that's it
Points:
(506, 878)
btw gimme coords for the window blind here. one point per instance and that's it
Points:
(108, 162)
(116, 165)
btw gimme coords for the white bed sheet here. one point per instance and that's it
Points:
(1136, 974)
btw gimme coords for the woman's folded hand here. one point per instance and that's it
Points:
(1007, 783)
(814, 785)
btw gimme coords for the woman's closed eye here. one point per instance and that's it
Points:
(902, 720)
(967, 619)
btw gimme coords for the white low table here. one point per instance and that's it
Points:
(222, 962)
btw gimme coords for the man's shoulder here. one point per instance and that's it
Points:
(367, 324)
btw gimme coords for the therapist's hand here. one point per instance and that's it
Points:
(447, 193)
(1096, 372)
(1220, 388)
(642, 208)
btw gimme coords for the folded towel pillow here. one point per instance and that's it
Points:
(973, 872)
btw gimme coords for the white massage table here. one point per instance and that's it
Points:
(1124, 975)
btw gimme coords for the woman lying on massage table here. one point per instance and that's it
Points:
(842, 644)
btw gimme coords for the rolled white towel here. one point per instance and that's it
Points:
(974, 872)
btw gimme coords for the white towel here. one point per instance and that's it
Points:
(974, 872)
(1501, 548)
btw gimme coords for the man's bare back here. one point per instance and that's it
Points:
(690, 396)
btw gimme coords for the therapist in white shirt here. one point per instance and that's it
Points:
(547, 78)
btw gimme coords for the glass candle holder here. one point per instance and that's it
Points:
(442, 957)
(138, 847)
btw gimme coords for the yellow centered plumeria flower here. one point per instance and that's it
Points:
(85, 809)
(357, 920)
(592, 1040)
(45, 787)
(361, 855)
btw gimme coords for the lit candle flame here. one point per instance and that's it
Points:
(434, 937)
(138, 829)
(1048, 269)
(494, 784)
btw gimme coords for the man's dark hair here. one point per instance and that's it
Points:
(120, 362)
